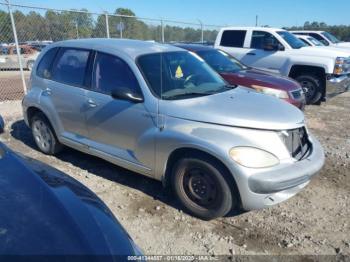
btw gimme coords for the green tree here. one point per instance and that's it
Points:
(6, 34)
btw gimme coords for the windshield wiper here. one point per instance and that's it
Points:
(185, 94)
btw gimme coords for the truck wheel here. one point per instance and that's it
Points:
(44, 136)
(200, 185)
(312, 87)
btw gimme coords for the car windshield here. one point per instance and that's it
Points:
(315, 41)
(292, 40)
(221, 62)
(331, 37)
(180, 75)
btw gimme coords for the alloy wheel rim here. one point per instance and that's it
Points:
(42, 135)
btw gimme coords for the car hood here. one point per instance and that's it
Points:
(252, 77)
(334, 48)
(333, 53)
(343, 44)
(45, 212)
(240, 107)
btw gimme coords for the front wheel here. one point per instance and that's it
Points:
(200, 185)
(312, 87)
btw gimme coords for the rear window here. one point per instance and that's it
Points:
(70, 66)
(233, 38)
(44, 66)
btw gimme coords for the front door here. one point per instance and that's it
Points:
(259, 56)
(122, 129)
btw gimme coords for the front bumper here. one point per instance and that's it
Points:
(264, 188)
(337, 84)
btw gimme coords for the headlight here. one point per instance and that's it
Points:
(253, 157)
(342, 66)
(271, 91)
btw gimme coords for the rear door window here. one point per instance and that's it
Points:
(111, 73)
(70, 66)
(233, 38)
(44, 67)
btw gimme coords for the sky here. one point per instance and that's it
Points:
(275, 13)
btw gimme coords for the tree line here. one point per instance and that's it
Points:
(56, 26)
(342, 32)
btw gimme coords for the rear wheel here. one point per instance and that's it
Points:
(200, 185)
(312, 87)
(44, 135)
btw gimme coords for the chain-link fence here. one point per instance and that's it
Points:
(32, 28)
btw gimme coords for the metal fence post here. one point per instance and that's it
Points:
(107, 25)
(162, 26)
(202, 31)
(17, 46)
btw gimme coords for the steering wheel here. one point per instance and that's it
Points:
(191, 79)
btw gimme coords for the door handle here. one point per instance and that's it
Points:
(251, 54)
(92, 103)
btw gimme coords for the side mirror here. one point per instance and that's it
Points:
(125, 93)
(274, 47)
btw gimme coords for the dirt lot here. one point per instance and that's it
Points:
(11, 84)
(316, 221)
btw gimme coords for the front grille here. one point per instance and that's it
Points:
(297, 142)
(297, 94)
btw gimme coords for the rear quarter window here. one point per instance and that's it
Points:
(44, 67)
(233, 38)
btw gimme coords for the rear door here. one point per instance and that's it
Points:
(233, 42)
(66, 91)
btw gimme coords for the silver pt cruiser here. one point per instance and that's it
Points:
(163, 112)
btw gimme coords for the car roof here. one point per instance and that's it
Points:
(194, 47)
(306, 31)
(304, 36)
(267, 29)
(131, 48)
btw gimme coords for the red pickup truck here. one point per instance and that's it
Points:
(235, 73)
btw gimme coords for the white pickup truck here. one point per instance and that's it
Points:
(324, 37)
(319, 72)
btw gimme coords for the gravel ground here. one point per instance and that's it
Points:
(11, 84)
(316, 221)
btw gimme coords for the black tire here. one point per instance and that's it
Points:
(193, 173)
(312, 87)
(44, 135)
